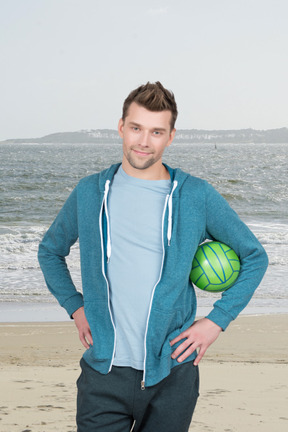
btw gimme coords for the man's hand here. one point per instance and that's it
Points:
(83, 327)
(200, 335)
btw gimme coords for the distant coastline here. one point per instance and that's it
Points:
(240, 136)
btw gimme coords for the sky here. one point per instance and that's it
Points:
(67, 65)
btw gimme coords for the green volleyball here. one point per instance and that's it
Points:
(215, 267)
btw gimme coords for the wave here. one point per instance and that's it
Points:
(19, 247)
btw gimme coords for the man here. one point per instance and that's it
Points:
(139, 224)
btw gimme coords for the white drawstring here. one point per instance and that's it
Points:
(169, 230)
(107, 219)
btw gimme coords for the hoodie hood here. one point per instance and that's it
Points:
(177, 176)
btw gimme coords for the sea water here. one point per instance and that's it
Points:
(36, 179)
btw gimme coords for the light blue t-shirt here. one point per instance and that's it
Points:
(135, 210)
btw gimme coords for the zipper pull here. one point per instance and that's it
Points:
(142, 385)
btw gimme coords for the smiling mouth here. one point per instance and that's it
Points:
(141, 153)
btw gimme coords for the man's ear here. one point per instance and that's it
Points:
(120, 127)
(171, 137)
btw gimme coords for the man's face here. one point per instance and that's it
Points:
(145, 136)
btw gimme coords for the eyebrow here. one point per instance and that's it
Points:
(154, 128)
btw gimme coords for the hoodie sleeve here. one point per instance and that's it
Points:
(53, 249)
(224, 225)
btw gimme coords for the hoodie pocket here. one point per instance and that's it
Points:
(166, 326)
(102, 331)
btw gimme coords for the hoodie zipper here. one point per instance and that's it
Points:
(108, 247)
(104, 204)
(169, 232)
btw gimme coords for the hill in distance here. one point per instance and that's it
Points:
(103, 136)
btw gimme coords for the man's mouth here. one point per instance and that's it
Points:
(141, 153)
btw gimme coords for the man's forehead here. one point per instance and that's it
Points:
(140, 116)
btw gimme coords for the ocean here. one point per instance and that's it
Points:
(36, 179)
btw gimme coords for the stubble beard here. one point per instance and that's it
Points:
(141, 165)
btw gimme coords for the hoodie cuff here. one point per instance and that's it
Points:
(73, 303)
(219, 317)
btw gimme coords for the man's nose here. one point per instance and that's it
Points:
(144, 139)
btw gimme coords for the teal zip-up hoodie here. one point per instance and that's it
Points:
(194, 212)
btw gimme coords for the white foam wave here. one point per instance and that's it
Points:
(19, 247)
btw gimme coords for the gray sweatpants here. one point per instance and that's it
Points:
(115, 402)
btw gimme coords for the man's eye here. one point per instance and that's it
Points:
(156, 133)
(136, 129)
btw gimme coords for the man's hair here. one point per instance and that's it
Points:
(153, 97)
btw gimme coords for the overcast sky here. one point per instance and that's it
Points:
(67, 65)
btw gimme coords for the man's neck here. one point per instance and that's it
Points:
(156, 172)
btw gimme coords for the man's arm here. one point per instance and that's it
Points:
(223, 224)
(53, 249)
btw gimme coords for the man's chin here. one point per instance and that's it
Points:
(141, 165)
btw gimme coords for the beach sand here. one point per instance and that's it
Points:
(243, 377)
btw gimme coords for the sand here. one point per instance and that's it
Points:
(243, 377)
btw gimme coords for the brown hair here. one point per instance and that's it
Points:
(153, 97)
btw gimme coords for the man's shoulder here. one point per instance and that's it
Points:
(187, 179)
